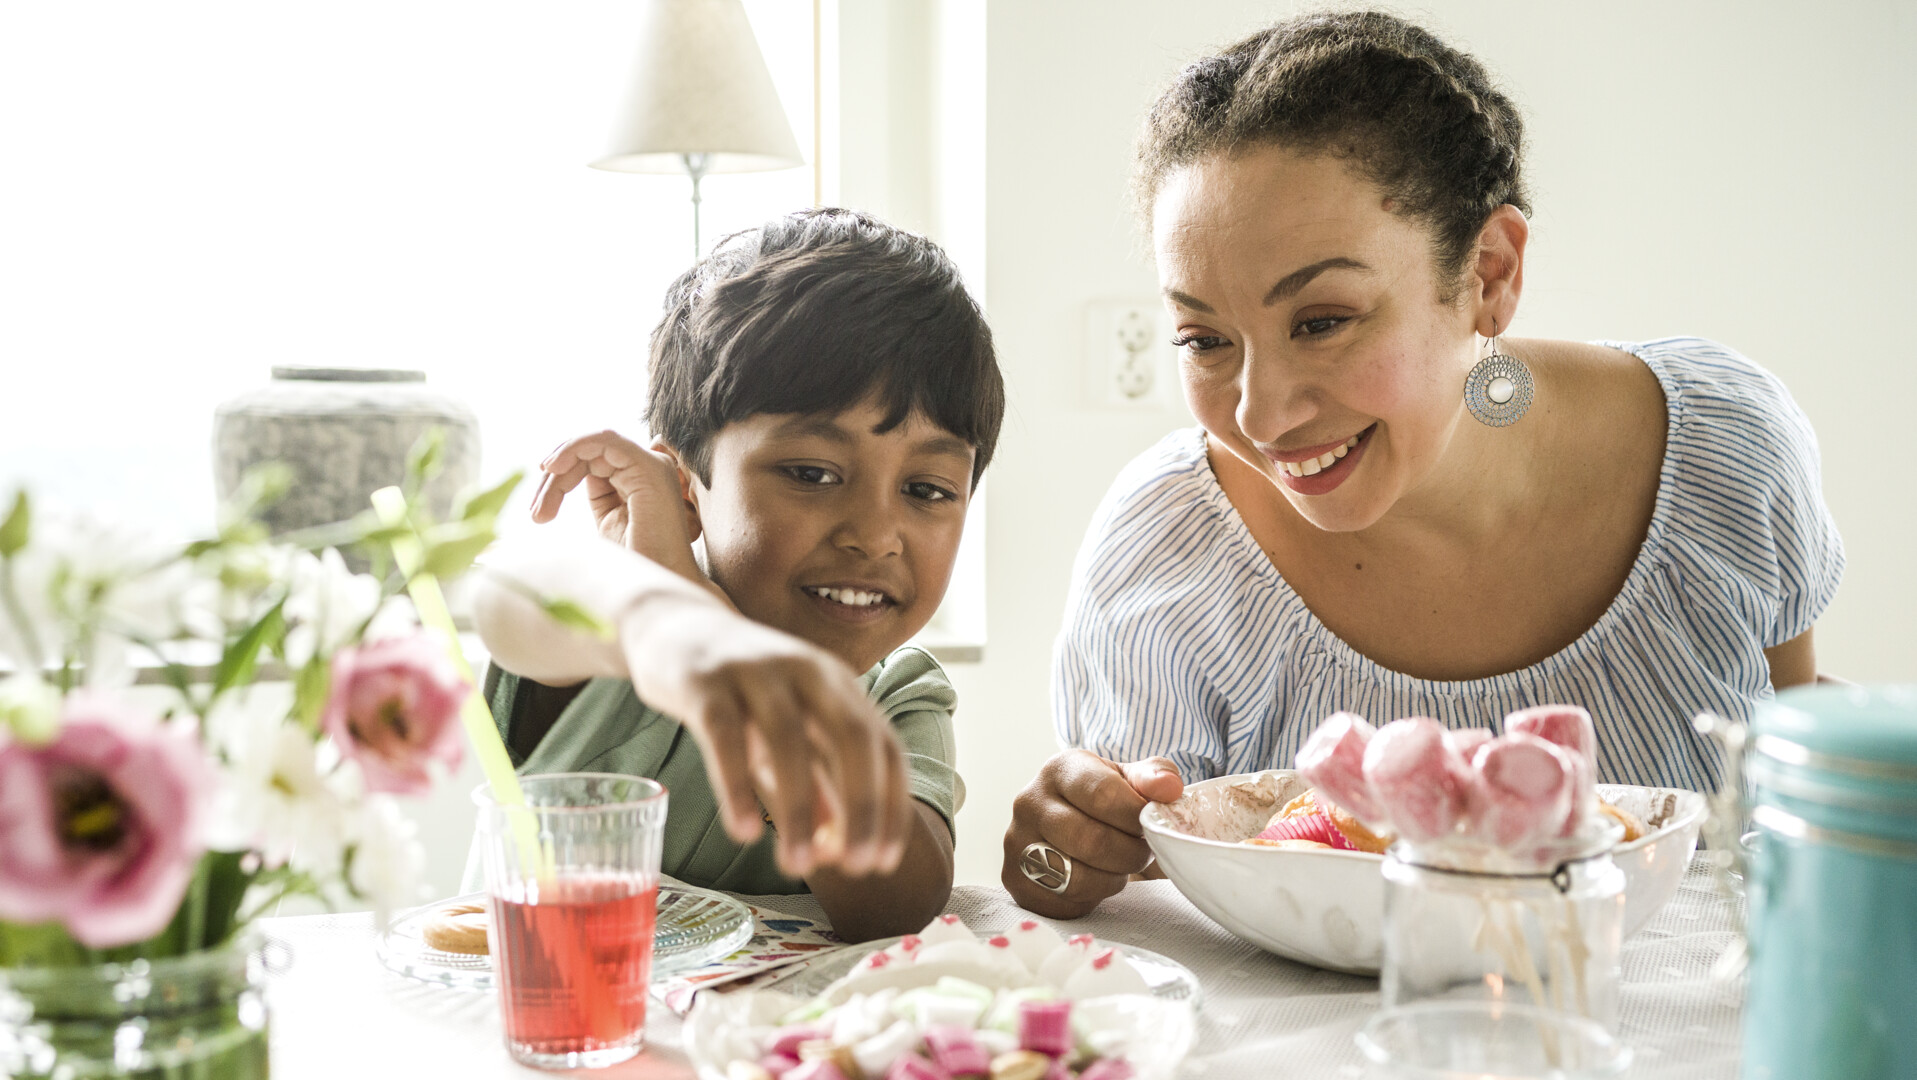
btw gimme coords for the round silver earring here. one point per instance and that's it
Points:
(1498, 390)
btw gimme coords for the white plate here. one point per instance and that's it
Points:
(1168, 979)
(694, 927)
(1159, 1029)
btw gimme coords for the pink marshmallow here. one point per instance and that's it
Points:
(1467, 740)
(1524, 792)
(1333, 761)
(1566, 725)
(1570, 728)
(1420, 782)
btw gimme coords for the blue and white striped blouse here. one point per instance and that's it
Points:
(1181, 638)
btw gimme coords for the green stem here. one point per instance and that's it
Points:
(196, 908)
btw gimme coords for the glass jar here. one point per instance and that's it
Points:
(1500, 964)
(201, 1016)
(1832, 887)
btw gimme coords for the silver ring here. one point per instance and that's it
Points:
(1046, 867)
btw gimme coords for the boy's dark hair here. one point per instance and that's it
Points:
(816, 312)
(1418, 118)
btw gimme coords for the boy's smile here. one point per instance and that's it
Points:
(832, 531)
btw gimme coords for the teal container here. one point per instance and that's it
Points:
(1832, 774)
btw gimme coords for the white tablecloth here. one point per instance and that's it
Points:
(337, 1013)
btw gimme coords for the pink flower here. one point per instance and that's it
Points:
(100, 828)
(394, 708)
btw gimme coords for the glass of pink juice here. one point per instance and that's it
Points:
(573, 878)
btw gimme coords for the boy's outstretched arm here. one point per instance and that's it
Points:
(780, 721)
(901, 901)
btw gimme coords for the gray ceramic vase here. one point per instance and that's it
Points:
(346, 433)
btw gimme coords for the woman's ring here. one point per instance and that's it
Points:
(1047, 867)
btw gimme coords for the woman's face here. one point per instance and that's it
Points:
(1315, 346)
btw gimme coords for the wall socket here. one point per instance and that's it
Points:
(1130, 362)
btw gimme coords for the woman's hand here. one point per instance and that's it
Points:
(782, 723)
(634, 492)
(1087, 808)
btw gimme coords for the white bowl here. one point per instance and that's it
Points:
(1325, 907)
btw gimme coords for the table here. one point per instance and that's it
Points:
(337, 1013)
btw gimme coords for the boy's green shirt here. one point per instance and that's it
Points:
(606, 728)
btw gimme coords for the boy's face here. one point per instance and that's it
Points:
(823, 528)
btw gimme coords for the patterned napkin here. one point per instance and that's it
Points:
(778, 941)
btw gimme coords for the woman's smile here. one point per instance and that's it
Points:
(1318, 470)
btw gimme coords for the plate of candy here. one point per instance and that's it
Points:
(1023, 1005)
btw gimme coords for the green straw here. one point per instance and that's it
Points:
(477, 717)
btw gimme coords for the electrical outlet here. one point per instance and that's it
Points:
(1129, 358)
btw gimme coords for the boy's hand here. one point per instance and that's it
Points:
(634, 494)
(781, 722)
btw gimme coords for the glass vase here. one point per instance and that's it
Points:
(1501, 965)
(201, 1016)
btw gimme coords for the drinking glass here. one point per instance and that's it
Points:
(573, 883)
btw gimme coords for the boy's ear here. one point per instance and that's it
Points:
(688, 491)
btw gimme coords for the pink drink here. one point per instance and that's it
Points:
(573, 966)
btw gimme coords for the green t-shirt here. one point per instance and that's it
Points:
(606, 728)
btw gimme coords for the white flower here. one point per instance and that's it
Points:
(389, 862)
(80, 574)
(29, 707)
(275, 795)
(325, 605)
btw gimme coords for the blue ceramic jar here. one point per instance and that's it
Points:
(1832, 774)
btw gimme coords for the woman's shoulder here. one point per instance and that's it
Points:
(1714, 392)
(1743, 497)
(1170, 481)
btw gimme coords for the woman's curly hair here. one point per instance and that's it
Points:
(1411, 114)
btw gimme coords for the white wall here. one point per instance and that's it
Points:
(1735, 170)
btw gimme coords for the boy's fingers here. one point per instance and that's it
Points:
(789, 760)
(861, 790)
(731, 775)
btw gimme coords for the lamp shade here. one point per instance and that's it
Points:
(700, 86)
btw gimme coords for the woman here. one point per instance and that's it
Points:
(1390, 508)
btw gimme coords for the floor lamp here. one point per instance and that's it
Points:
(701, 99)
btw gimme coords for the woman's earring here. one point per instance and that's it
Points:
(1498, 390)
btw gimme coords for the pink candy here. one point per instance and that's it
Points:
(914, 1067)
(1045, 1026)
(786, 1040)
(1524, 793)
(1333, 760)
(1569, 727)
(1313, 826)
(1420, 782)
(1413, 777)
(954, 1050)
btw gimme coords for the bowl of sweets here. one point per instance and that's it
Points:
(1285, 860)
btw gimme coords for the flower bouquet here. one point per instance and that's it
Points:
(143, 827)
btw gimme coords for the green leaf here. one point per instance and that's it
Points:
(566, 613)
(424, 459)
(309, 692)
(242, 657)
(486, 505)
(13, 531)
(451, 549)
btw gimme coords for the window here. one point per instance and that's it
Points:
(198, 191)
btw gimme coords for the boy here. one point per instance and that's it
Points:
(824, 397)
